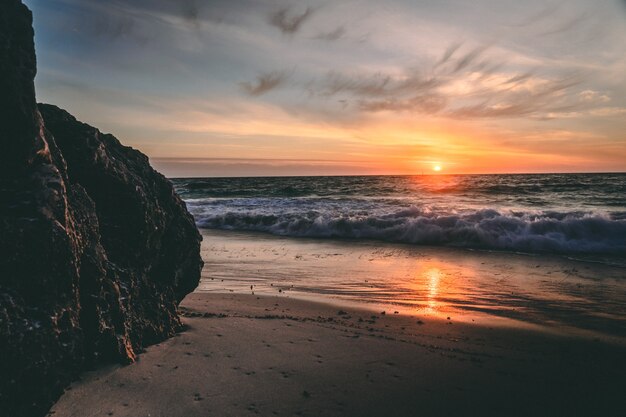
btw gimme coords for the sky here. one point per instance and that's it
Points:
(276, 87)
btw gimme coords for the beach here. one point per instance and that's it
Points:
(278, 208)
(252, 355)
(282, 348)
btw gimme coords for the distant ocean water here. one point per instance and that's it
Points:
(575, 214)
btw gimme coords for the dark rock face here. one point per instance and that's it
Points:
(96, 249)
(148, 245)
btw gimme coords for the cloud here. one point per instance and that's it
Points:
(591, 96)
(538, 99)
(449, 52)
(190, 13)
(189, 10)
(608, 111)
(333, 35)
(423, 103)
(519, 78)
(227, 167)
(545, 12)
(114, 28)
(567, 25)
(289, 23)
(264, 83)
(376, 85)
(463, 84)
(526, 94)
(152, 20)
(469, 58)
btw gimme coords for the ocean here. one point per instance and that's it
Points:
(541, 251)
(579, 215)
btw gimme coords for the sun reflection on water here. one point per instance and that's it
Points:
(432, 276)
(439, 283)
(435, 287)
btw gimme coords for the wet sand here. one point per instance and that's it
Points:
(552, 292)
(246, 355)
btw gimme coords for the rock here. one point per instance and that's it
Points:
(96, 249)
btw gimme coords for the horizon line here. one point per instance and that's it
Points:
(405, 175)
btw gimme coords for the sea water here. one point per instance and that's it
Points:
(576, 214)
(543, 250)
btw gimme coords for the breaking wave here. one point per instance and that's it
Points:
(555, 232)
(582, 214)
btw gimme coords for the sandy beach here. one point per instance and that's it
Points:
(268, 355)
(382, 208)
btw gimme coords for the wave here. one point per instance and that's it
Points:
(551, 231)
(607, 189)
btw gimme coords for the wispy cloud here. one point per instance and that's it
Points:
(375, 85)
(190, 13)
(532, 97)
(462, 84)
(568, 25)
(422, 103)
(289, 23)
(264, 83)
(469, 58)
(121, 27)
(189, 10)
(448, 53)
(333, 35)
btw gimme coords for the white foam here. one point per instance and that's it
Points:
(486, 228)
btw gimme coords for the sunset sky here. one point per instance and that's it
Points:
(269, 87)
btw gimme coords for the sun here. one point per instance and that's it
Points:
(437, 168)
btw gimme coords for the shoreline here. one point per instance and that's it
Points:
(611, 262)
(266, 355)
(547, 293)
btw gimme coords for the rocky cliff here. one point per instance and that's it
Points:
(96, 249)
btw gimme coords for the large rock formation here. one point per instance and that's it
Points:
(96, 249)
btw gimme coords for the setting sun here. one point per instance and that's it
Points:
(285, 159)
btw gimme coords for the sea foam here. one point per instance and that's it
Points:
(574, 232)
(567, 214)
